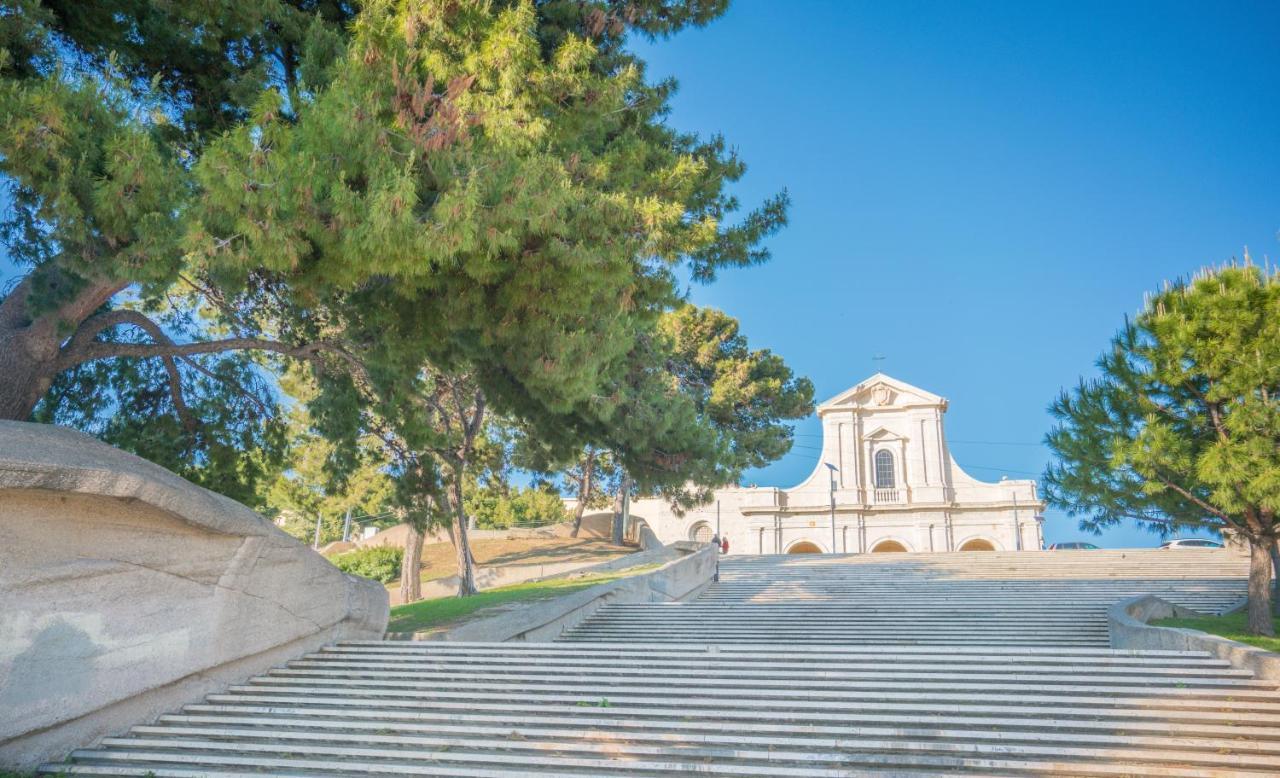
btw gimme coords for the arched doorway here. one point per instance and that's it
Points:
(701, 532)
(889, 547)
(804, 547)
(977, 544)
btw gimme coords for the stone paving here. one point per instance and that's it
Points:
(809, 696)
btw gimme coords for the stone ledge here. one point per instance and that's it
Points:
(679, 579)
(57, 459)
(127, 590)
(1127, 623)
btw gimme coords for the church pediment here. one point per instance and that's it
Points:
(883, 392)
(882, 435)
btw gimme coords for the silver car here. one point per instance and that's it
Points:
(1191, 543)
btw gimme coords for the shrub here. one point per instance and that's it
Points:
(381, 563)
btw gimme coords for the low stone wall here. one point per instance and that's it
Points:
(1128, 619)
(126, 591)
(507, 575)
(680, 579)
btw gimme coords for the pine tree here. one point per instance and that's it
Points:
(490, 183)
(1181, 428)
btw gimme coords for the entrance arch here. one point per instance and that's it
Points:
(889, 547)
(977, 544)
(701, 532)
(804, 547)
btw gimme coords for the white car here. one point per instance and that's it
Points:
(1191, 543)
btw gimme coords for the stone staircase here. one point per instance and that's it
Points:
(646, 706)
(1015, 598)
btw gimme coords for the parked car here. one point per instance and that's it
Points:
(1078, 545)
(1191, 543)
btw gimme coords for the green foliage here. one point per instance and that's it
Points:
(494, 508)
(447, 209)
(695, 408)
(381, 563)
(308, 487)
(1179, 430)
(238, 447)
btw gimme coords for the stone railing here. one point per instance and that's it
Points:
(888, 496)
(1127, 622)
(126, 591)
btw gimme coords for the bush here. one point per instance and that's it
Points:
(381, 563)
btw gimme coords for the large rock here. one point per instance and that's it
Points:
(126, 590)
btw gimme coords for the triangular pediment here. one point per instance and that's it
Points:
(882, 391)
(882, 434)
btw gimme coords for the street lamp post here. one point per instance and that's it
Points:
(833, 470)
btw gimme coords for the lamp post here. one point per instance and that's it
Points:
(833, 470)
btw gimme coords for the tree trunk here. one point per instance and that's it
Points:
(411, 567)
(30, 345)
(584, 492)
(461, 543)
(1275, 580)
(1260, 616)
(619, 507)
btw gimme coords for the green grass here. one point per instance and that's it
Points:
(426, 614)
(1231, 626)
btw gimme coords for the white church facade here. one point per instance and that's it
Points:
(886, 465)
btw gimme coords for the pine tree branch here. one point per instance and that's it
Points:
(1194, 499)
(84, 347)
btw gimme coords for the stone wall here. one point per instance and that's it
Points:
(126, 591)
(1127, 623)
(680, 579)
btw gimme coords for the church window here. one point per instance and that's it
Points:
(884, 470)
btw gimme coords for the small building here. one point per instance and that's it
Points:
(886, 465)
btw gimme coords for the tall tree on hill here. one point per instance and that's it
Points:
(308, 487)
(1180, 430)
(696, 408)
(588, 479)
(488, 183)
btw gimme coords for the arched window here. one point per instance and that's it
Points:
(700, 532)
(884, 470)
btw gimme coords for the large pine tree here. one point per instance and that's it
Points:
(216, 190)
(1182, 427)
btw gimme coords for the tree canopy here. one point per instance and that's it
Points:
(482, 183)
(1180, 428)
(439, 210)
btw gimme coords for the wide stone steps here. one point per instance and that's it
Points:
(1023, 598)
(652, 709)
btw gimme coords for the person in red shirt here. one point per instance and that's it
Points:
(724, 546)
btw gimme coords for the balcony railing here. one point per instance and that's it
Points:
(888, 495)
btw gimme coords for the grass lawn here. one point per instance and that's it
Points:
(438, 560)
(426, 614)
(1231, 626)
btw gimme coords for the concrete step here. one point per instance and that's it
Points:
(900, 665)
(571, 709)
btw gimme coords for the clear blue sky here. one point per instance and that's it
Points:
(982, 191)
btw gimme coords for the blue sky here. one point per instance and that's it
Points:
(981, 191)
